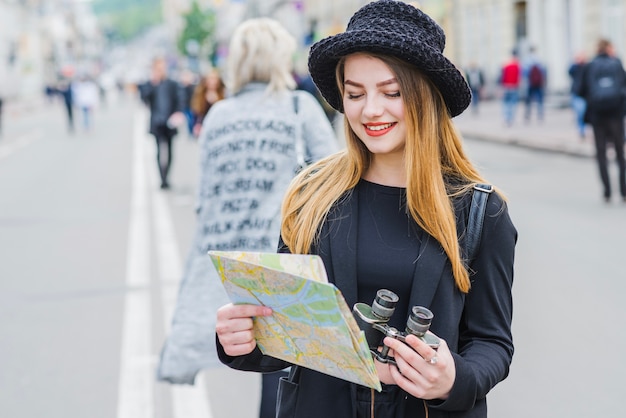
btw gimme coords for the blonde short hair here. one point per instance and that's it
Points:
(261, 50)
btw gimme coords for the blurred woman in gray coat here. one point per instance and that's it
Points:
(251, 145)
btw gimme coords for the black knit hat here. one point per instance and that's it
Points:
(395, 28)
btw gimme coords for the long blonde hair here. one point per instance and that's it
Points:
(437, 170)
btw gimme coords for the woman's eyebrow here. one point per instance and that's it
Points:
(387, 82)
(352, 83)
(380, 84)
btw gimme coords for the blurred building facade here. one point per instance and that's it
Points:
(486, 31)
(480, 31)
(39, 38)
(9, 42)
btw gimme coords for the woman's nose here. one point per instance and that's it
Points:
(373, 107)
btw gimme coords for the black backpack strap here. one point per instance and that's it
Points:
(474, 230)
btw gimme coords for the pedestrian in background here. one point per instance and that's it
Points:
(209, 90)
(476, 80)
(166, 103)
(86, 95)
(188, 84)
(249, 154)
(579, 105)
(510, 78)
(536, 77)
(305, 82)
(388, 212)
(603, 83)
(64, 88)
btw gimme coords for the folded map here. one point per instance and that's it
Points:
(311, 324)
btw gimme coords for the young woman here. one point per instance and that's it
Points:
(391, 212)
(209, 90)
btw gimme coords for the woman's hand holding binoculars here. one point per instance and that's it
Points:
(420, 370)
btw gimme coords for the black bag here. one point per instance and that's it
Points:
(605, 85)
(287, 395)
(391, 402)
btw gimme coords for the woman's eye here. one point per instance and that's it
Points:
(353, 96)
(393, 94)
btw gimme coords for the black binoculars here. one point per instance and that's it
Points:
(373, 322)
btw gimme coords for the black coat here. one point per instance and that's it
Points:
(476, 326)
(163, 100)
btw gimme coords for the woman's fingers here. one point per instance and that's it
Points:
(234, 327)
(422, 371)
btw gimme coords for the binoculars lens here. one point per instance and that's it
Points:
(419, 321)
(384, 304)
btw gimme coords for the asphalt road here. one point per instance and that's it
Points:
(569, 286)
(91, 253)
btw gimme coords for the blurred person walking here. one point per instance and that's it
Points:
(305, 82)
(476, 81)
(602, 85)
(86, 95)
(250, 146)
(209, 90)
(188, 84)
(64, 88)
(536, 76)
(165, 99)
(579, 105)
(510, 81)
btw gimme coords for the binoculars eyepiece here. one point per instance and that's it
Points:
(384, 304)
(373, 321)
(419, 321)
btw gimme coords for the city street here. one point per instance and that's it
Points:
(568, 289)
(91, 254)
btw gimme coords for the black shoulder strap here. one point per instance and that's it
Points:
(475, 221)
(294, 373)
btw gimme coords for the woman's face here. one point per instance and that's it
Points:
(373, 106)
(212, 81)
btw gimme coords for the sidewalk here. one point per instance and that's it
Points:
(556, 133)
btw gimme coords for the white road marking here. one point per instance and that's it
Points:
(135, 397)
(9, 147)
(187, 401)
(137, 374)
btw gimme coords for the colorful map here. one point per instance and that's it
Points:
(311, 326)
